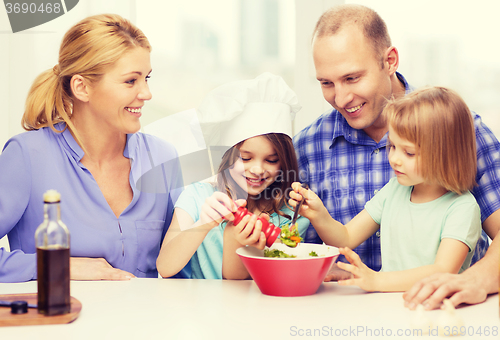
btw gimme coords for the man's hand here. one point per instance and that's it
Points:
(431, 291)
(336, 274)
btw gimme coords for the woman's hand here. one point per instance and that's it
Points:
(217, 208)
(87, 269)
(364, 277)
(249, 232)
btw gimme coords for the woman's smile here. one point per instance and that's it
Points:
(135, 111)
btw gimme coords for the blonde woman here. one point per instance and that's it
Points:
(117, 185)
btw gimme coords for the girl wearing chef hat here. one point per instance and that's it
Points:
(249, 122)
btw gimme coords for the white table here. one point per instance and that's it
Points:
(216, 309)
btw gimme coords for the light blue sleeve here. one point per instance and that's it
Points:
(175, 186)
(15, 183)
(463, 221)
(206, 263)
(375, 206)
(165, 175)
(193, 197)
(175, 190)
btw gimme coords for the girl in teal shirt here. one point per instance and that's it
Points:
(428, 220)
(253, 119)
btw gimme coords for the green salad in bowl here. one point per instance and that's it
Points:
(277, 253)
(282, 254)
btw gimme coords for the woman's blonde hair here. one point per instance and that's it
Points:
(439, 123)
(275, 196)
(87, 49)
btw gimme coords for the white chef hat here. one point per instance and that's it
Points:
(242, 109)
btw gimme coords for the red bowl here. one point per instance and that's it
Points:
(297, 276)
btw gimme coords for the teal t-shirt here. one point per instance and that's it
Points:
(206, 262)
(410, 233)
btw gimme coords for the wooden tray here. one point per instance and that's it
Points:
(32, 317)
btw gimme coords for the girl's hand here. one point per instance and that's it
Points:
(217, 208)
(249, 232)
(312, 208)
(364, 277)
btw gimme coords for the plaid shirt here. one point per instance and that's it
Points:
(346, 168)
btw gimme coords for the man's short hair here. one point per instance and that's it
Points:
(371, 24)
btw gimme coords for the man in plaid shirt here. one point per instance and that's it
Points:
(342, 155)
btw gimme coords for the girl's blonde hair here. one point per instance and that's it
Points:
(88, 49)
(275, 196)
(439, 123)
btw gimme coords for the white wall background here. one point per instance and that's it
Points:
(199, 44)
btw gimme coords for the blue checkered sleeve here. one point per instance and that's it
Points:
(487, 191)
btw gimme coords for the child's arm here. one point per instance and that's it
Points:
(247, 232)
(184, 235)
(332, 232)
(450, 257)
